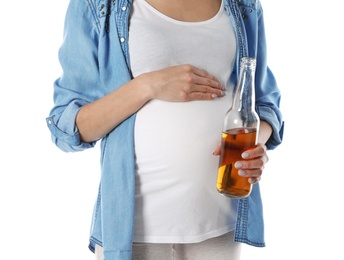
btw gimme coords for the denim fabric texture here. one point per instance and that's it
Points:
(95, 61)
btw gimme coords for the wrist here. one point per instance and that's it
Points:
(265, 132)
(145, 86)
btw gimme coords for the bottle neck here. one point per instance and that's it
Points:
(242, 114)
(244, 98)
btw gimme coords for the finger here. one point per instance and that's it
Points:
(208, 83)
(204, 96)
(254, 180)
(203, 73)
(251, 164)
(203, 78)
(253, 173)
(258, 151)
(208, 92)
(218, 149)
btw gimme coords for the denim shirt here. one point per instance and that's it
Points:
(95, 61)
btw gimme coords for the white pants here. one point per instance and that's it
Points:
(219, 248)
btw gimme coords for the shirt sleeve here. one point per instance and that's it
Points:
(268, 95)
(78, 84)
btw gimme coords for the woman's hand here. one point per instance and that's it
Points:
(178, 84)
(182, 83)
(252, 163)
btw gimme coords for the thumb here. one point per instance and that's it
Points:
(218, 149)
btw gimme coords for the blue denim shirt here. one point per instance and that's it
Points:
(95, 61)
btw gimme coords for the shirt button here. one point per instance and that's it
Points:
(50, 122)
(124, 8)
(122, 39)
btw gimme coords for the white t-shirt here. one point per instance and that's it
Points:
(176, 196)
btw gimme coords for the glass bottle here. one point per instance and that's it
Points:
(239, 133)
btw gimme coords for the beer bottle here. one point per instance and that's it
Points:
(239, 133)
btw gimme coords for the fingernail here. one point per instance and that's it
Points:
(238, 165)
(214, 96)
(223, 93)
(221, 85)
(245, 155)
(241, 172)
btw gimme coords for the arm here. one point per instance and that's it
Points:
(265, 132)
(267, 106)
(178, 84)
(268, 94)
(84, 110)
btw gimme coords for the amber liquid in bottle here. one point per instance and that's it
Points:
(234, 143)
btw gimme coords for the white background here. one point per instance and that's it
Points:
(46, 196)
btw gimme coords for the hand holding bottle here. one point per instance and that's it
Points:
(252, 163)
